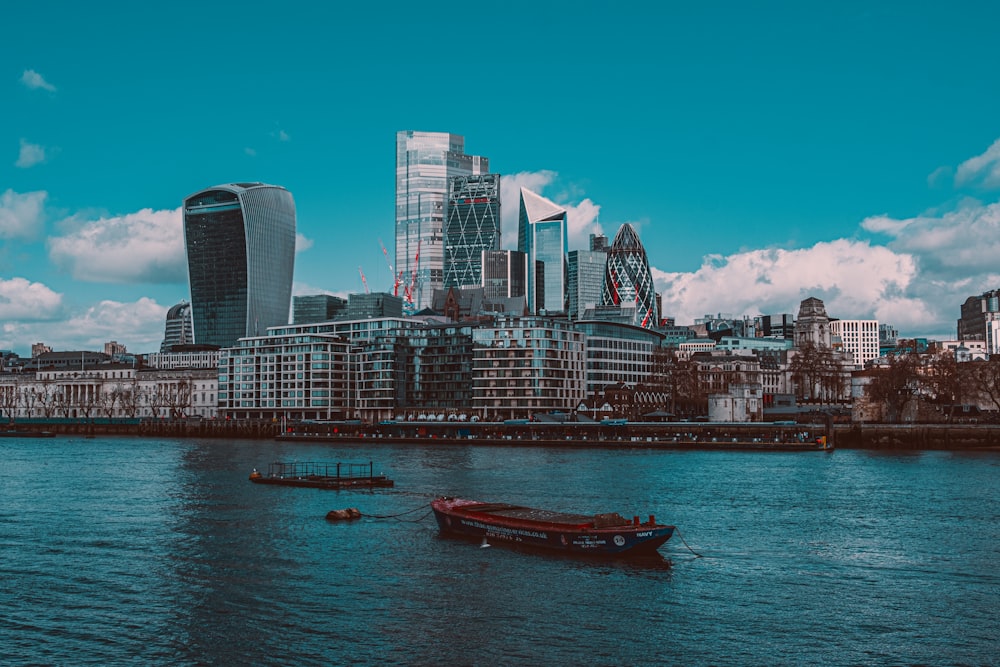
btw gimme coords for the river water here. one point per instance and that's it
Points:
(144, 551)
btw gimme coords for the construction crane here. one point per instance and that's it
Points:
(397, 278)
(363, 281)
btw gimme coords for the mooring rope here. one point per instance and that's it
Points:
(686, 544)
(396, 516)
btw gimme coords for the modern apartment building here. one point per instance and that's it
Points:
(472, 228)
(527, 365)
(543, 236)
(426, 163)
(240, 241)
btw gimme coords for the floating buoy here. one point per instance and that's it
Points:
(485, 544)
(348, 514)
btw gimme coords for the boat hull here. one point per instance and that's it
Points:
(620, 541)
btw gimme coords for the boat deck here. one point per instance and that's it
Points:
(520, 513)
(317, 475)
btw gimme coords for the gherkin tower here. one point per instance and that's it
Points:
(627, 280)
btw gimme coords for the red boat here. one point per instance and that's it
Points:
(607, 535)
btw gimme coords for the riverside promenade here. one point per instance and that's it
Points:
(678, 435)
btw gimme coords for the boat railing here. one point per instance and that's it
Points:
(320, 470)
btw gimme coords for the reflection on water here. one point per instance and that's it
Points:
(160, 551)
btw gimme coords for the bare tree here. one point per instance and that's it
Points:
(9, 394)
(46, 397)
(895, 385)
(985, 379)
(108, 399)
(178, 399)
(950, 382)
(28, 398)
(129, 397)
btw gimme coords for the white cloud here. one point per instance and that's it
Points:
(137, 325)
(142, 247)
(302, 243)
(22, 215)
(581, 218)
(855, 279)
(951, 246)
(30, 155)
(35, 81)
(982, 169)
(21, 299)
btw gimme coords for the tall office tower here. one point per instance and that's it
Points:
(628, 281)
(178, 327)
(585, 280)
(543, 236)
(425, 164)
(473, 227)
(599, 242)
(505, 274)
(240, 242)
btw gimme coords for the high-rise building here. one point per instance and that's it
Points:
(316, 308)
(505, 274)
(425, 164)
(543, 235)
(473, 227)
(859, 337)
(178, 327)
(240, 241)
(585, 280)
(980, 320)
(628, 280)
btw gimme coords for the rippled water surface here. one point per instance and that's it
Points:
(161, 552)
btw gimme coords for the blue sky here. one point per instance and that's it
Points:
(766, 152)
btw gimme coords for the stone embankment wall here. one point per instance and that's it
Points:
(917, 436)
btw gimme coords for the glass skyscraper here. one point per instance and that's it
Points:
(240, 241)
(425, 164)
(627, 280)
(473, 227)
(543, 235)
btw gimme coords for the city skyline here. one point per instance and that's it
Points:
(764, 155)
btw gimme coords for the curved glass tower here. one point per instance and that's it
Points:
(627, 279)
(240, 241)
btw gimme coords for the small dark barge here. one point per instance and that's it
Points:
(32, 433)
(315, 475)
(604, 535)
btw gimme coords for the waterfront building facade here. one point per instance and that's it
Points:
(812, 327)
(585, 280)
(473, 227)
(109, 392)
(240, 241)
(316, 308)
(617, 354)
(194, 357)
(543, 236)
(287, 376)
(627, 278)
(426, 163)
(527, 365)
